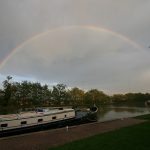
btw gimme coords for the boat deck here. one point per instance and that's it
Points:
(31, 114)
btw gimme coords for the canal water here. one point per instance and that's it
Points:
(112, 113)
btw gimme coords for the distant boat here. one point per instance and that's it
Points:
(43, 118)
(147, 103)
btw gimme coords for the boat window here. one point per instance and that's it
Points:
(23, 122)
(4, 125)
(40, 120)
(39, 110)
(65, 116)
(54, 117)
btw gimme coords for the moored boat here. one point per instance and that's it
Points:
(35, 119)
(41, 118)
(147, 103)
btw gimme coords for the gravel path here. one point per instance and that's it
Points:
(44, 139)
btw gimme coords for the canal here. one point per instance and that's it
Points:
(111, 113)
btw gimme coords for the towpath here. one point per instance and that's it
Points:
(45, 139)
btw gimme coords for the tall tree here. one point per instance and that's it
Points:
(7, 85)
(95, 96)
(59, 93)
(46, 95)
(77, 96)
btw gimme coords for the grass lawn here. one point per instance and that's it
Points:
(136, 137)
(145, 117)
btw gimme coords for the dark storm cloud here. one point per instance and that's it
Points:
(78, 57)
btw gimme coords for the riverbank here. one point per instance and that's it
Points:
(51, 138)
(132, 138)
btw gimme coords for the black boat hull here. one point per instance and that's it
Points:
(81, 118)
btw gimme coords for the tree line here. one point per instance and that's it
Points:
(15, 96)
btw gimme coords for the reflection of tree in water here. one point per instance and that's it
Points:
(125, 109)
(103, 111)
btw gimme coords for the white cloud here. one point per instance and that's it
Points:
(78, 57)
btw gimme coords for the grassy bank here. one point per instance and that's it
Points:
(132, 138)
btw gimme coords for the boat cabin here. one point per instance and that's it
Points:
(35, 118)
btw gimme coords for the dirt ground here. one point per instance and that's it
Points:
(45, 139)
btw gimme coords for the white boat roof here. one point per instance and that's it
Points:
(29, 114)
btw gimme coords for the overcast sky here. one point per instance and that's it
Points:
(100, 44)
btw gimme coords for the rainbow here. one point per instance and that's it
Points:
(88, 27)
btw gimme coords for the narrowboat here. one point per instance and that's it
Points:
(147, 103)
(42, 118)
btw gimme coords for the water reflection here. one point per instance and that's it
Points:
(112, 113)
